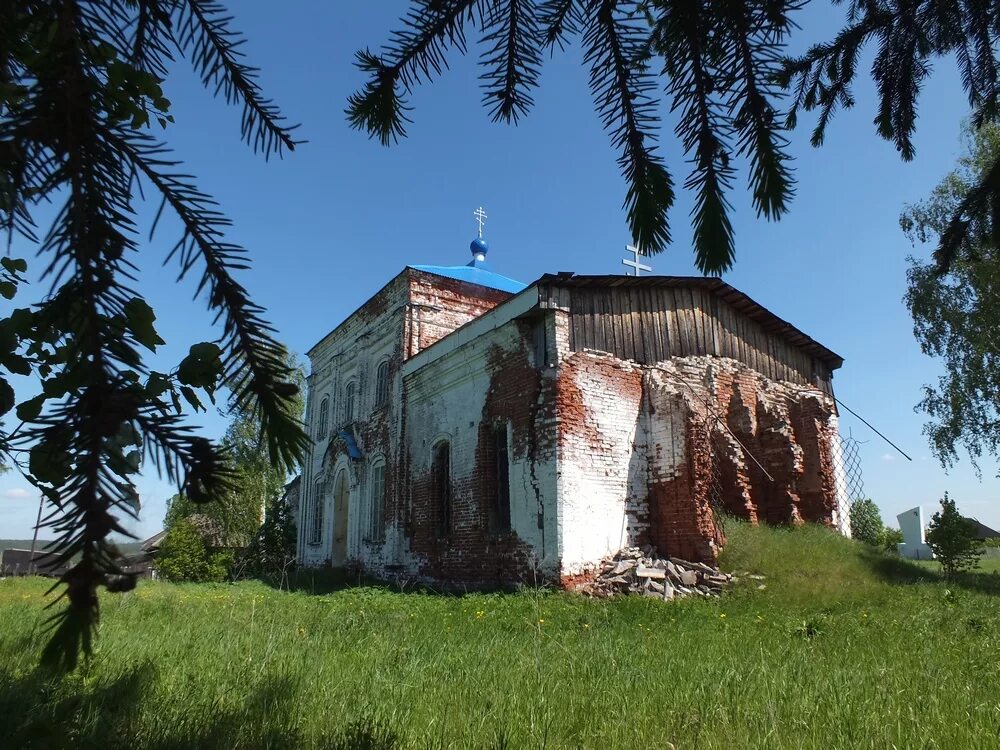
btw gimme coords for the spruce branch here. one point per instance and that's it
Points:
(751, 38)
(823, 76)
(254, 362)
(152, 35)
(78, 87)
(621, 84)
(513, 59)
(204, 34)
(71, 452)
(558, 20)
(899, 70)
(682, 36)
(414, 54)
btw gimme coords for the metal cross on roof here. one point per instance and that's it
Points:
(480, 215)
(635, 263)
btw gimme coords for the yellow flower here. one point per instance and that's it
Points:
(586, 626)
(722, 616)
(541, 622)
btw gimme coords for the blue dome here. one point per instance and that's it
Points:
(478, 246)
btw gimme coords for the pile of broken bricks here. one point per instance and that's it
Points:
(635, 570)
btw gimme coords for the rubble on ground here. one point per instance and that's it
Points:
(637, 570)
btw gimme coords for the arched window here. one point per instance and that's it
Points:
(382, 383)
(376, 502)
(441, 486)
(349, 392)
(324, 412)
(316, 512)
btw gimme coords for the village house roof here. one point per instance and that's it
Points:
(983, 531)
(153, 543)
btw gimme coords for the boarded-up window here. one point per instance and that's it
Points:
(540, 342)
(382, 383)
(499, 511)
(441, 485)
(324, 411)
(376, 503)
(316, 513)
(349, 393)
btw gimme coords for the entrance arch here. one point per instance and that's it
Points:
(341, 510)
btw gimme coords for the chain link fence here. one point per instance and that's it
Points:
(850, 479)
(848, 475)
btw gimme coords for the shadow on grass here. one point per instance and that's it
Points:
(900, 571)
(37, 710)
(47, 712)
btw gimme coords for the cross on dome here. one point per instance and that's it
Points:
(480, 215)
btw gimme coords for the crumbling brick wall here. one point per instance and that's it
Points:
(598, 401)
(463, 396)
(440, 305)
(645, 451)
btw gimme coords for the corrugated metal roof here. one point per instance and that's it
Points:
(474, 275)
(728, 294)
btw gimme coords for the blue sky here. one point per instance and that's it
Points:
(332, 222)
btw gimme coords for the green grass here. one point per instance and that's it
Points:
(986, 565)
(842, 649)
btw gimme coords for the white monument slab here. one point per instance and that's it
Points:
(913, 546)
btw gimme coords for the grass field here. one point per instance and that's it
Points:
(986, 565)
(842, 649)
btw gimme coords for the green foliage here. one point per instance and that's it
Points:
(183, 556)
(256, 482)
(234, 519)
(956, 314)
(271, 553)
(817, 660)
(890, 539)
(866, 522)
(80, 85)
(952, 538)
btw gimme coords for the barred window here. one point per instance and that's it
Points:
(323, 418)
(316, 513)
(376, 502)
(382, 383)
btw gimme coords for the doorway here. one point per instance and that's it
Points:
(341, 509)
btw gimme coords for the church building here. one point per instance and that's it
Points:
(473, 430)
